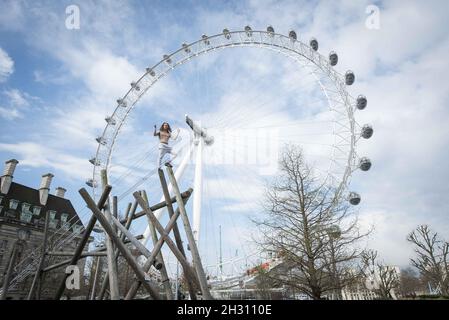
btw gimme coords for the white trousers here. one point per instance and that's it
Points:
(165, 150)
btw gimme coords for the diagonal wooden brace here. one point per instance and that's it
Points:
(164, 238)
(149, 286)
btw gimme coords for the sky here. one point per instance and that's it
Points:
(57, 85)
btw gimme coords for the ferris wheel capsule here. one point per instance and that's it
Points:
(205, 39)
(97, 228)
(354, 198)
(94, 161)
(365, 164)
(151, 72)
(135, 86)
(226, 34)
(367, 131)
(249, 31)
(121, 103)
(101, 140)
(167, 59)
(110, 120)
(91, 183)
(270, 31)
(314, 44)
(209, 140)
(157, 264)
(333, 58)
(349, 77)
(292, 35)
(186, 48)
(361, 102)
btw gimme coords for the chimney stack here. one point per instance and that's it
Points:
(45, 188)
(60, 192)
(6, 178)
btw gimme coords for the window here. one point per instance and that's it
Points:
(13, 204)
(11, 214)
(26, 207)
(52, 214)
(3, 244)
(53, 223)
(36, 210)
(26, 216)
(65, 224)
(64, 217)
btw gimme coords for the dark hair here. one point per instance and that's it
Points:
(162, 127)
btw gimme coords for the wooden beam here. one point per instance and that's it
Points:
(98, 267)
(176, 233)
(164, 238)
(110, 248)
(149, 286)
(130, 211)
(192, 243)
(63, 263)
(185, 195)
(160, 257)
(79, 249)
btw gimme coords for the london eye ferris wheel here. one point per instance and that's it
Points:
(236, 109)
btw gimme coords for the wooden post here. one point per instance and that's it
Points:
(98, 267)
(112, 265)
(164, 238)
(170, 210)
(129, 218)
(160, 257)
(127, 212)
(149, 286)
(41, 262)
(79, 249)
(176, 232)
(192, 243)
(11, 263)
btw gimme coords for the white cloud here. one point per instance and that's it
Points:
(9, 114)
(12, 15)
(37, 155)
(6, 65)
(15, 103)
(16, 98)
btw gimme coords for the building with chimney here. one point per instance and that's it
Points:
(23, 211)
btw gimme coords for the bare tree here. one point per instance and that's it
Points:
(432, 259)
(309, 228)
(263, 283)
(385, 279)
(411, 283)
